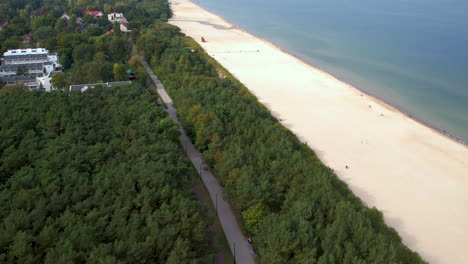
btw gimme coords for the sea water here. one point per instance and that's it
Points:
(412, 54)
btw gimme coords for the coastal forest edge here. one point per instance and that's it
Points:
(292, 205)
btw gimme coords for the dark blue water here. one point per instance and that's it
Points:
(412, 54)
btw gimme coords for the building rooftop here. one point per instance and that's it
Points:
(25, 51)
(110, 84)
(29, 56)
(19, 78)
(94, 13)
(27, 65)
(84, 87)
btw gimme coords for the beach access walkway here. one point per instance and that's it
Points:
(241, 250)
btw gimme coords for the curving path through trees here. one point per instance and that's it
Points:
(240, 248)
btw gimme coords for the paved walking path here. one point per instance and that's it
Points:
(240, 248)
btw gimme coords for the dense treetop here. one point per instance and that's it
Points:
(96, 177)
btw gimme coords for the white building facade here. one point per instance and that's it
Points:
(29, 80)
(25, 52)
(39, 65)
(117, 17)
(32, 68)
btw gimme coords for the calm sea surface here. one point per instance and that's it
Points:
(412, 54)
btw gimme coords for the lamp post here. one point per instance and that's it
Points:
(234, 252)
(216, 204)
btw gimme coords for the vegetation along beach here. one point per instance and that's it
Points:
(414, 174)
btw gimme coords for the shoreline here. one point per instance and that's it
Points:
(314, 67)
(370, 95)
(423, 198)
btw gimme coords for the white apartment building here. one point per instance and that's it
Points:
(39, 63)
(26, 56)
(117, 17)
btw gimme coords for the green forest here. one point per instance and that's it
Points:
(99, 177)
(96, 177)
(293, 206)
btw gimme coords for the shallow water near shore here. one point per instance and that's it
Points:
(411, 54)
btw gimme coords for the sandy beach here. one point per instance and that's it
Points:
(417, 176)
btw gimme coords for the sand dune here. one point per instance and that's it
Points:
(415, 175)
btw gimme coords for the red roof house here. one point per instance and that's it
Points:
(27, 39)
(94, 13)
(3, 25)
